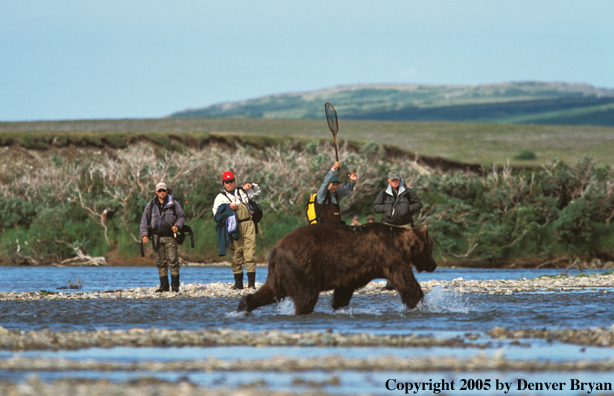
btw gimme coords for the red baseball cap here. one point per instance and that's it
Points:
(227, 176)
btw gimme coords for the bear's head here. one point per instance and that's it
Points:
(421, 249)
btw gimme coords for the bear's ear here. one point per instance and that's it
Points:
(425, 230)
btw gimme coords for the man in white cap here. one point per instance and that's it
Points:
(162, 219)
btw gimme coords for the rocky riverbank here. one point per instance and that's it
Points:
(143, 386)
(479, 362)
(19, 340)
(601, 283)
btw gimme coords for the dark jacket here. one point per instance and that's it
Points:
(397, 210)
(223, 237)
(161, 221)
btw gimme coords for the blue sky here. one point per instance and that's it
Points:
(82, 59)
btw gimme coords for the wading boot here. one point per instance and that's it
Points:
(251, 280)
(175, 283)
(163, 284)
(238, 281)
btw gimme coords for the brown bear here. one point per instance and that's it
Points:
(317, 258)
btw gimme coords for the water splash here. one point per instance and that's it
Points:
(286, 306)
(439, 300)
(351, 311)
(236, 315)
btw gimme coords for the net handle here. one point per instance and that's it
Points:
(333, 124)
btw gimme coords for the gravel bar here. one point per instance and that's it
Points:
(224, 290)
(326, 363)
(595, 336)
(143, 386)
(19, 340)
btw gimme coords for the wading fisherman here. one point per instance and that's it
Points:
(330, 194)
(397, 203)
(244, 248)
(163, 218)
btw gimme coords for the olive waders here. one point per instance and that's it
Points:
(167, 256)
(244, 249)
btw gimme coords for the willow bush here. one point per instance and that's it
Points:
(491, 219)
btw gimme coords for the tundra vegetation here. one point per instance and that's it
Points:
(557, 210)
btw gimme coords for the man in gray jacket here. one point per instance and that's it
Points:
(397, 203)
(164, 217)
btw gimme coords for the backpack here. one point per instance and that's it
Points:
(311, 209)
(252, 207)
(181, 233)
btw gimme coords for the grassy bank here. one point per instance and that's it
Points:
(481, 143)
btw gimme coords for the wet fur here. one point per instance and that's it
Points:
(342, 258)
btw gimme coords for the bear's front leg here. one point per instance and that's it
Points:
(409, 288)
(264, 296)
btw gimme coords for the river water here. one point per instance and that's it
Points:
(443, 314)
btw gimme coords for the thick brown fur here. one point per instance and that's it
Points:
(343, 258)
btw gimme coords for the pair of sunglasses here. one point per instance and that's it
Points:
(162, 190)
(229, 181)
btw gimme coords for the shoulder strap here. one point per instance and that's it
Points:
(328, 200)
(150, 206)
(237, 195)
(246, 194)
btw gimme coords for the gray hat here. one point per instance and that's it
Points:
(355, 217)
(161, 185)
(394, 175)
(334, 179)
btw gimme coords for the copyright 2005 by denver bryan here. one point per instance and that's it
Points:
(472, 386)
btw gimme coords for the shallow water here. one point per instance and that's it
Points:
(22, 279)
(526, 350)
(443, 313)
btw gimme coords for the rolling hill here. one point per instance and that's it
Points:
(515, 102)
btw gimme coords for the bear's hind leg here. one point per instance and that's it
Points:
(409, 289)
(342, 297)
(306, 306)
(304, 301)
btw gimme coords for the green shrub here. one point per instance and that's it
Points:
(525, 155)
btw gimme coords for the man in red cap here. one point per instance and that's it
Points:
(244, 248)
